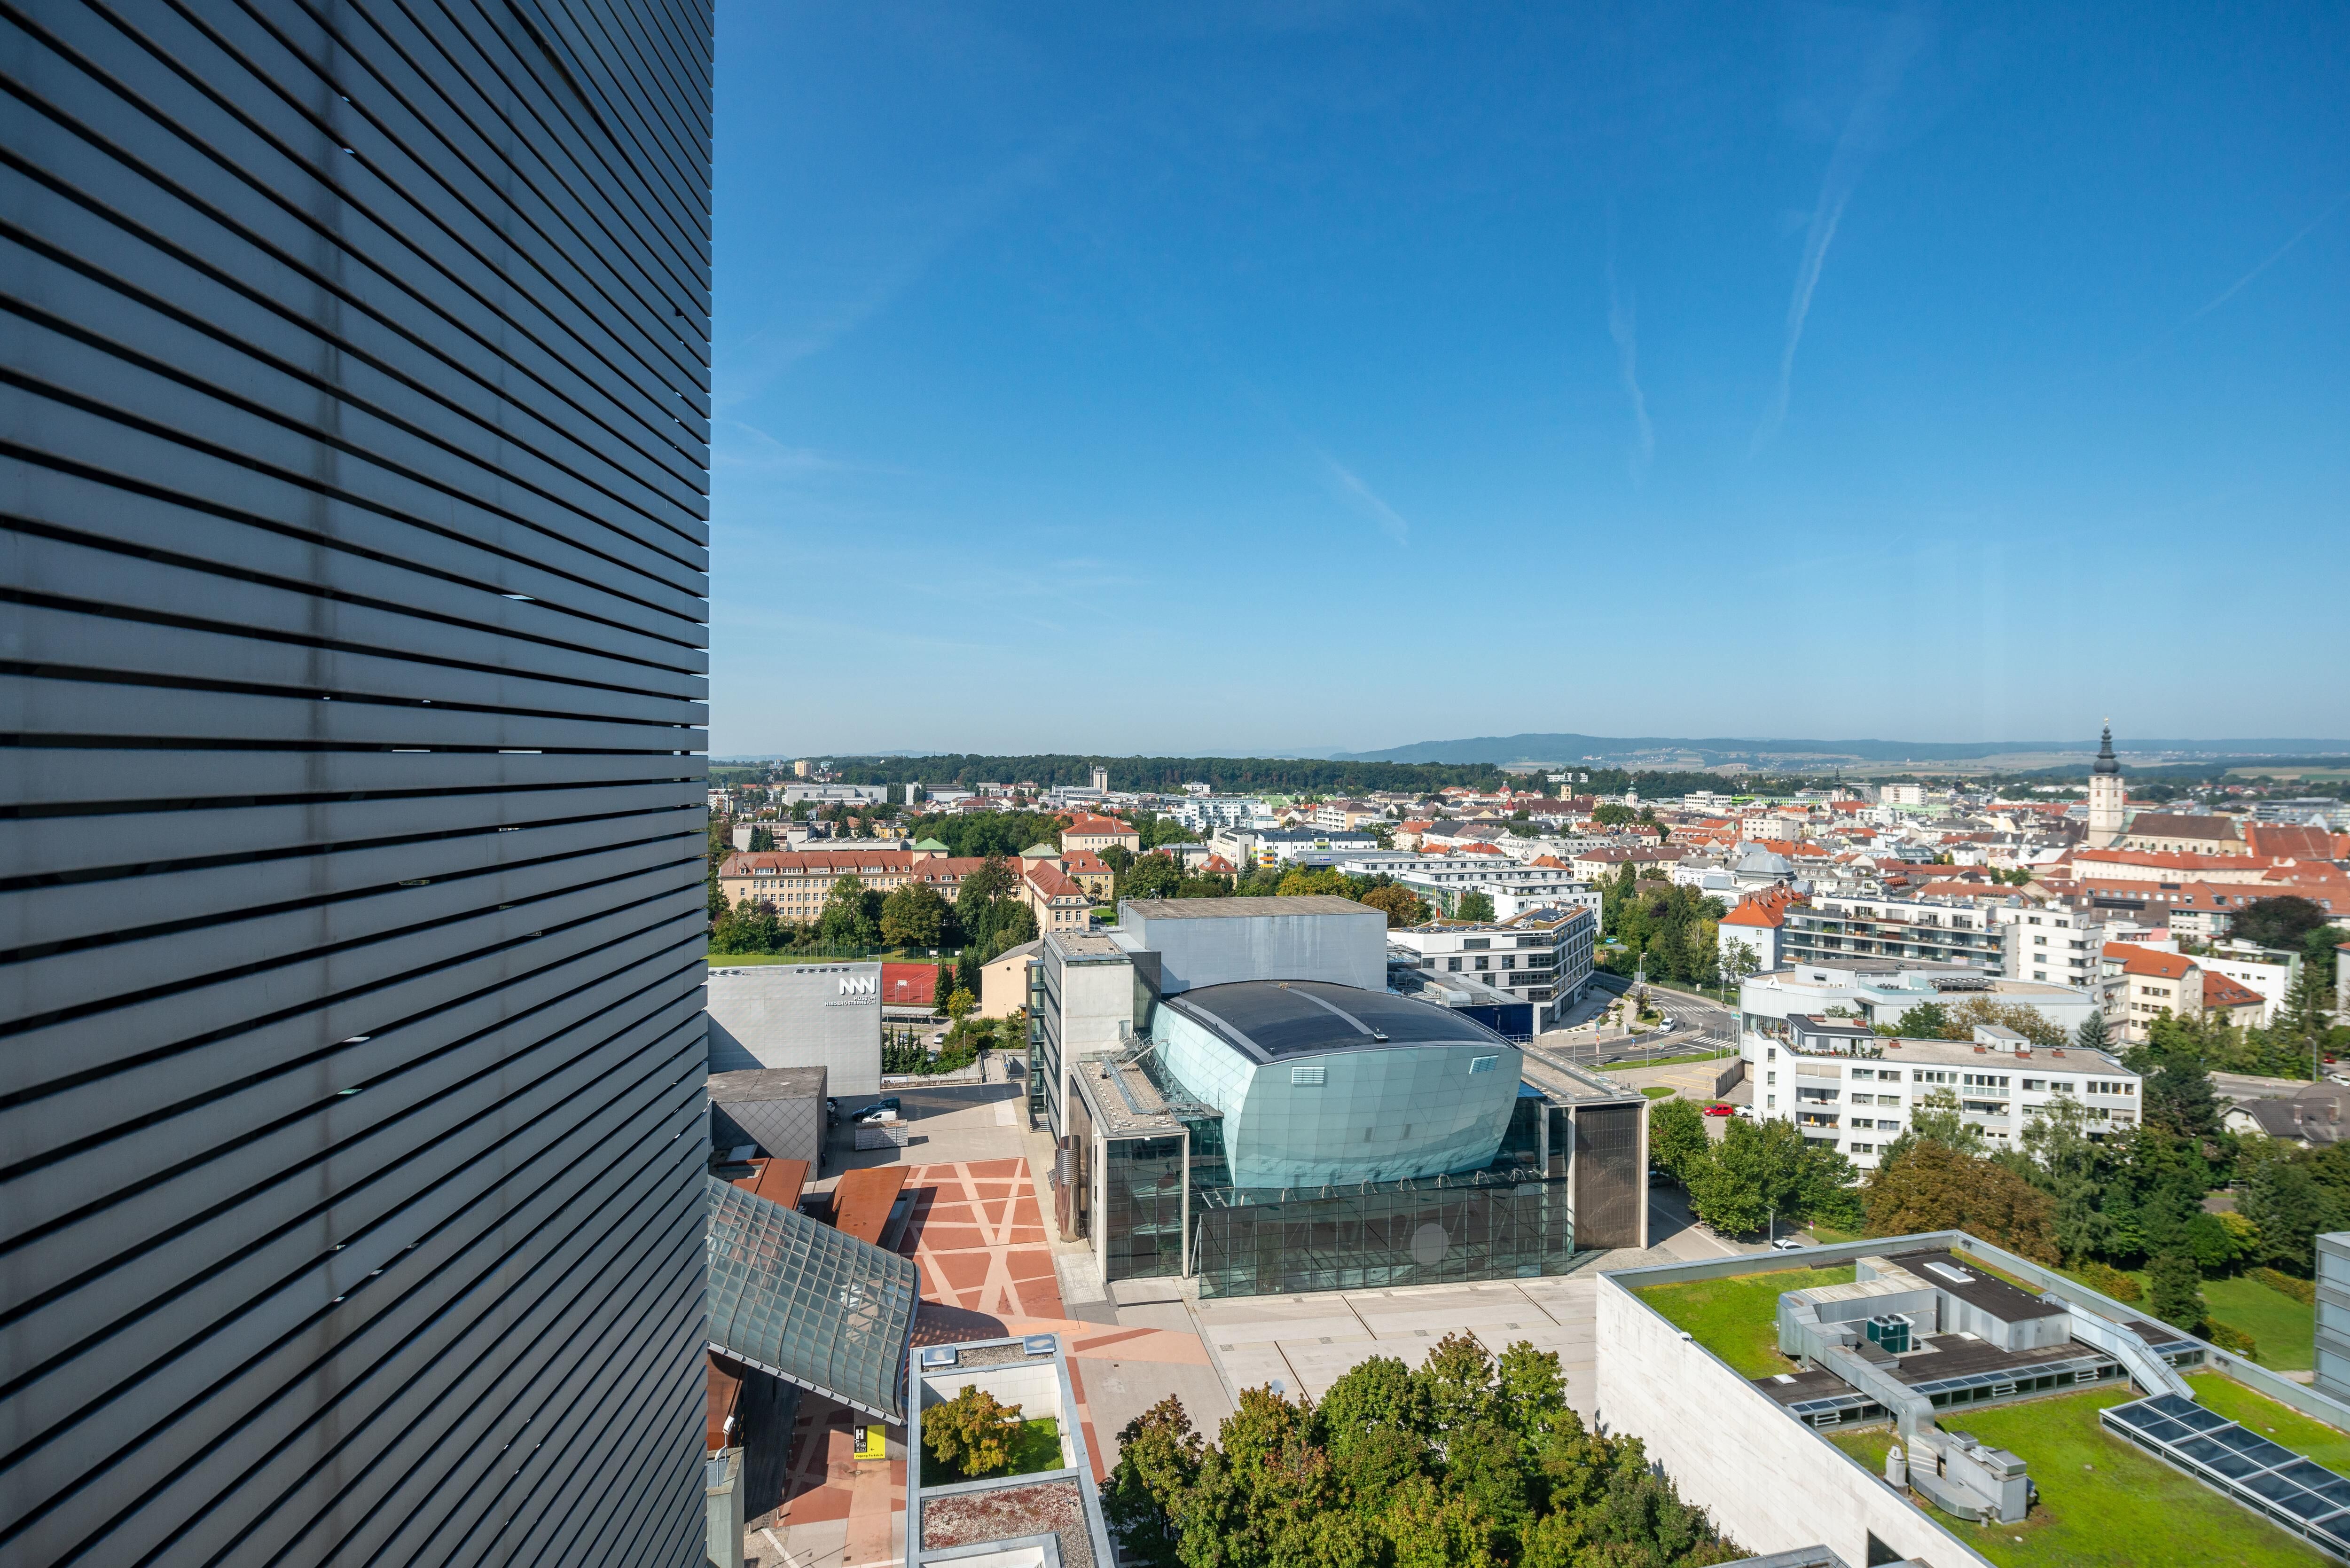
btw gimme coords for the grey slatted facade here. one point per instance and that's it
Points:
(352, 1140)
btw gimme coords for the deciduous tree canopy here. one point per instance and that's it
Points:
(1468, 1462)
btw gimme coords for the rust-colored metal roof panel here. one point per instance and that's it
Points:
(777, 1180)
(862, 1201)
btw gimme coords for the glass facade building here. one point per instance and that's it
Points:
(352, 1146)
(1150, 1172)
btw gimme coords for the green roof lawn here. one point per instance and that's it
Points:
(1737, 1317)
(2103, 1503)
(1036, 1446)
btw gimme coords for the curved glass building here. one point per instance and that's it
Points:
(1323, 1085)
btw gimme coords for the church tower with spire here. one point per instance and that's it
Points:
(2108, 796)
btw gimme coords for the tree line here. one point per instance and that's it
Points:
(986, 918)
(1468, 1462)
(1676, 929)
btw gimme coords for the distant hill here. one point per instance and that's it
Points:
(1654, 751)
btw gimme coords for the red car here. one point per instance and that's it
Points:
(1720, 1110)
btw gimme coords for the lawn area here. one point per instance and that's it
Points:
(2285, 1329)
(1737, 1318)
(2329, 1446)
(1036, 1448)
(2104, 1504)
(1658, 1091)
(1666, 1061)
(1866, 1446)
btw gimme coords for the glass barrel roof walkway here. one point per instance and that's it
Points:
(2300, 1494)
(798, 1299)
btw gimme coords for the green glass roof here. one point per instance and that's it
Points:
(798, 1299)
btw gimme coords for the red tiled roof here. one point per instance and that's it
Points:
(2303, 843)
(820, 862)
(2219, 990)
(1086, 860)
(2149, 961)
(1047, 879)
(1767, 907)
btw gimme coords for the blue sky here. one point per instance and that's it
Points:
(1286, 376)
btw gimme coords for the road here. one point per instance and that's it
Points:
(1672, 1230)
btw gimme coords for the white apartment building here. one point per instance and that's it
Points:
(2050, 942)
(1204, 813)
(1879, 991)
(1848, 1088)
(1542, 956)
(1515, 887)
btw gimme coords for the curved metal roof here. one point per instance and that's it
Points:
(1270, 1020)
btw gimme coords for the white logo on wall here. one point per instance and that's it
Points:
(857, 985)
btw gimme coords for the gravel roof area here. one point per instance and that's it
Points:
(968, 1519)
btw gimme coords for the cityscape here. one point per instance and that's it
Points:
(730, 848)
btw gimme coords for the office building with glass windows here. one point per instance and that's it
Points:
(352, 1146)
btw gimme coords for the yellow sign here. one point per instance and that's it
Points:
(872, 1443)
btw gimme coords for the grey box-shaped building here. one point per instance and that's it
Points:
(825, 1015)
(779, 1109)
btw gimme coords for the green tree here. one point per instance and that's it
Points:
(1158, 1461)
(762, 839)
(1612, 815)
(1402, 906)
(2303, 1023)
(1936, 1120)
(2282, 1198)
(2073, 1169)
(1929, 1186)
(1677, 1140)
(1306, 882)
(959, 1005)
(2279, 922)
(2091, 1035)
(851, 914)
(1152, 875)
(1763, 1169)
(2176, 1094)
(972, 1433)
(1474, 906)
(2176, 1288)
(913, 915)
(1926, 1021)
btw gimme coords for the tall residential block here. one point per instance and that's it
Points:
(353, 470)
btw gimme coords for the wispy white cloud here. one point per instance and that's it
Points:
(738, 444)
(918, 239)
(1863, 134)
(1624, 326)
(2275, 257)
(1348, 487)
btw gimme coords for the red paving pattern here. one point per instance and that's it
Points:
(979, 1239)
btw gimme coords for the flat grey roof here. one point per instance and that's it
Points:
(1984, 1288)
(766, 1084)
(1243, 908)
(1269, 1019)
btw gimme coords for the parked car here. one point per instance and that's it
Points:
(880, 1110)
(1718, 1109)
(1661, 1179)
(1786, 1244)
